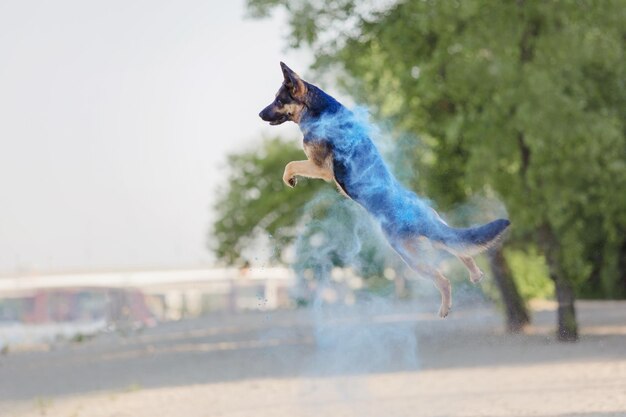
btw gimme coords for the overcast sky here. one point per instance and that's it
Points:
(115, 119)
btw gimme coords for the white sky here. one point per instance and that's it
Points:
(115, 119)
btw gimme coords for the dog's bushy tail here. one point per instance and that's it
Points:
(473, 240)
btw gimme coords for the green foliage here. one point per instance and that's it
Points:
(254, 200)
(526, 98)
(531, 273)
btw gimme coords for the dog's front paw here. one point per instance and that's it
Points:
(289, 180)
(289, 176)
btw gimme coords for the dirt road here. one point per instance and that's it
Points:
(383, 361)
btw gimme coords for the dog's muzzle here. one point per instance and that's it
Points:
(271, 117)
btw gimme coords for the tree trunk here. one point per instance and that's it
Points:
(567, 327)
(621, 271)
(516, 313)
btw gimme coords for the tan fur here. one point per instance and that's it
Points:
(294, 82)
(319, 165)
(294, 110)
(304, 169)
(320, 154)
(475, 273)
(299, 90)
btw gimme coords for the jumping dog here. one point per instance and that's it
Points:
(339, 149)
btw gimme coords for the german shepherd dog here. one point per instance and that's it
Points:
(339, 149)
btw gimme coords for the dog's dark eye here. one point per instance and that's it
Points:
(278, 102)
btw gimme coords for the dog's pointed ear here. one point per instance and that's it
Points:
(293, 81)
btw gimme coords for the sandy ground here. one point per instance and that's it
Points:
(382, 361)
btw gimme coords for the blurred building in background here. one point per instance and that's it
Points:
(38, 308)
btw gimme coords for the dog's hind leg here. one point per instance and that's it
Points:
(410, 253)
(475, 273)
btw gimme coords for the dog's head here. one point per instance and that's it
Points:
(289, 103)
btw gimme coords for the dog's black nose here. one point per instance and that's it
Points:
(264, 114)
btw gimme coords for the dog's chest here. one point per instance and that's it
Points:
(319, 152)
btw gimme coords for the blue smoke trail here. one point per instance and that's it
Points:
(362, 173)
(350, 339)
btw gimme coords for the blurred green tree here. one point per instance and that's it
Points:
(524, 97)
